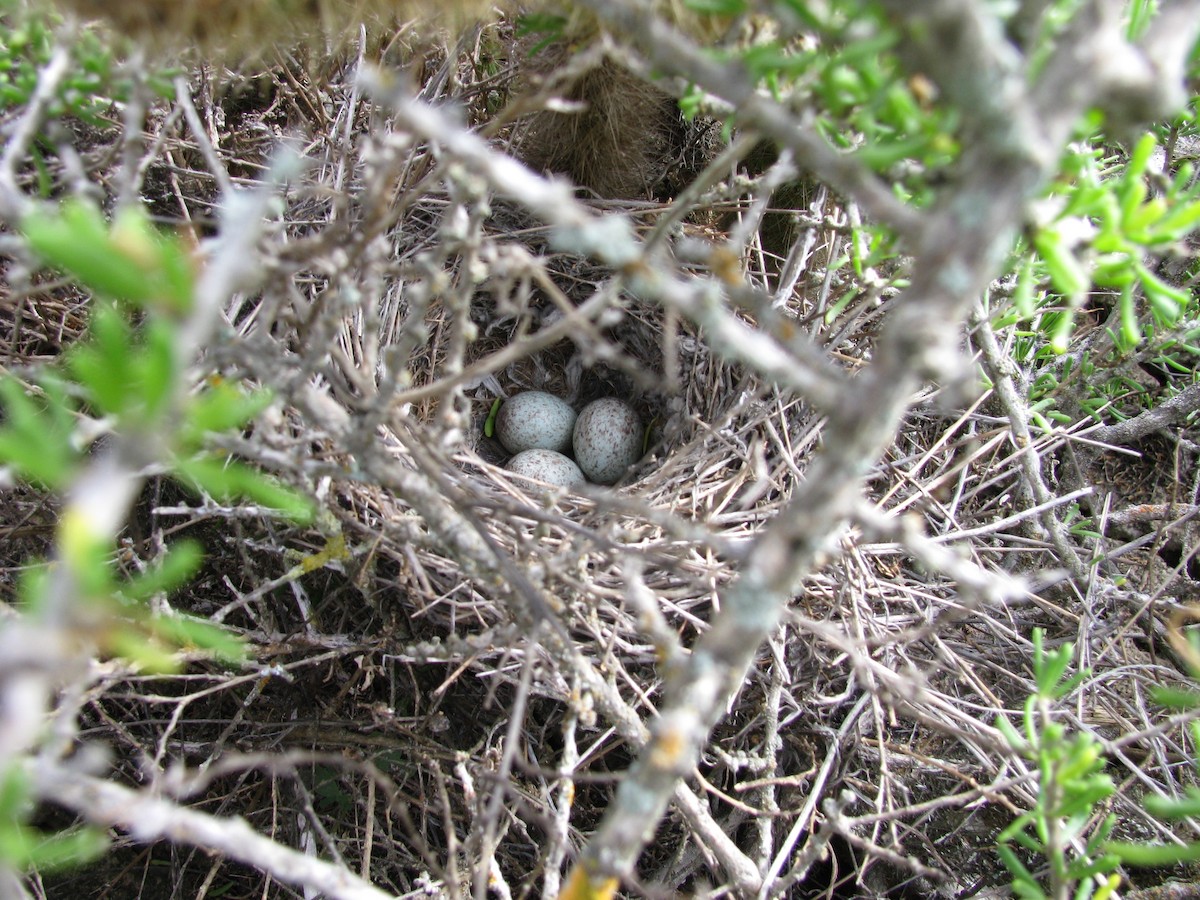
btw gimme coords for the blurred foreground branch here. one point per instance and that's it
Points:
(148, 818)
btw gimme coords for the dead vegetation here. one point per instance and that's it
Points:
(448, 706)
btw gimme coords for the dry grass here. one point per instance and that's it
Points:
(384, 729)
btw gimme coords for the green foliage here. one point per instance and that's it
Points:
(129, 374)
(841, 64)
(1081, 526)
(1111, 216)
(1139, 15)
(26, 43)
(1107, 222)
(228, 480)
(24, 847)
(1187, 645)
(128, 371)
(35, 437)
(129, 261)
(838, 63)
(92, 83)
(1071, 783)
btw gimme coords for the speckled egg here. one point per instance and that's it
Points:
(535, 420)
(607, 440)
(549, 466)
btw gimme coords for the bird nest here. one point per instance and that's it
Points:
(422, 651)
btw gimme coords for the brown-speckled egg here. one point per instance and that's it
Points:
(546, 465)
(535, 420)
(607, 440)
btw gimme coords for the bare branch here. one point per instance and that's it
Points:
(149, 818)
(1169, 412)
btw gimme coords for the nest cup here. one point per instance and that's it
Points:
(632, 372)
(699, 414)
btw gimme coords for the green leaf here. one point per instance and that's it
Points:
(185, 631)
(1086, 869)
(175, 569)
(1066, 274)
(1101, 832)
(142, 650)
(163, 261)
(1067, 685)
(223, 407)
(539, 23)
(489, 427)
(550, 26)
(1023, 883)
(1131, 329)
(880, 155)
(87, 554)
(1048, 666)
(1175, 698)
(178, 275)
(806, 13)
(77, 242)
(1141, 12)
(1144, 216)
(1018, 825)
(1014, 865)
(1139, 159)
(1024, 291)
(839, 305)
(1028, 841)
(36, 438)
(102, 365)
(157, 370)
(1011, 735)
(1083, 797)
(1084, 757)
(1175, 807)
(228, 480)
(716, 7)
(1031, 732)
(691, 104)
(1064, 324)
(25, 848)
(129, 261)
(289, 503)
(1183, 188)
(1176, 224)
(14, 794)
(1167, 301)
(1154, 854)
(764, 59)
(1111, 884)
(1131, 206)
